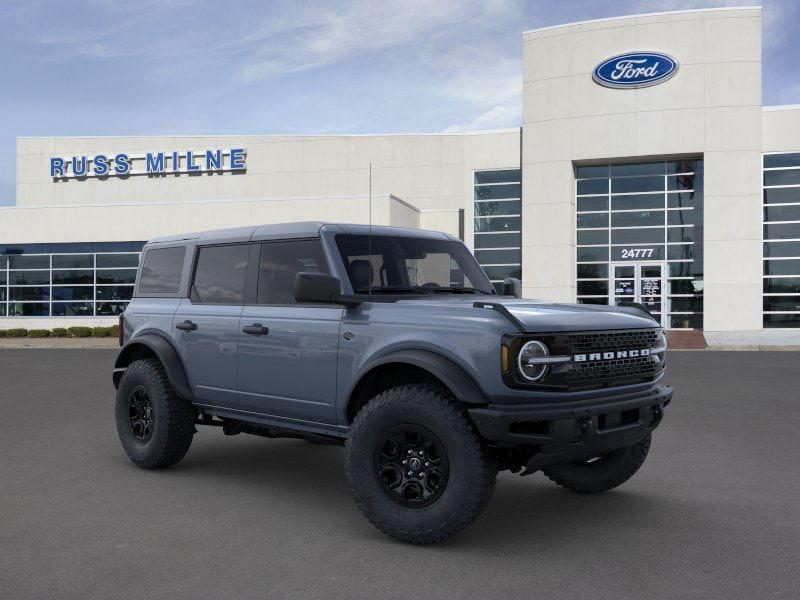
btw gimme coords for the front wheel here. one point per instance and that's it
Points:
(415, 465)
(600, 473)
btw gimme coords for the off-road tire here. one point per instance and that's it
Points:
(472, 473)
(173, 419)
(607, 472)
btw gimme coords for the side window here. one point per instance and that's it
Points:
(220, 274)
(161, 271)
(280, 262)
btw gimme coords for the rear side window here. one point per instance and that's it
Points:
(220, 274)
(280, 262)
(161, 271)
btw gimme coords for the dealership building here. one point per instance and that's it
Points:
(645, 169)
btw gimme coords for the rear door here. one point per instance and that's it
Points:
(206, 325)
(288, 351)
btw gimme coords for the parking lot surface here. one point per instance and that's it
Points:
(714, 512)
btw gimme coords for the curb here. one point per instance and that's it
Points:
(59, 343)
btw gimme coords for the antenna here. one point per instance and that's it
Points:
(369, 242)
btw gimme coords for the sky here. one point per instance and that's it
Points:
(173, 67)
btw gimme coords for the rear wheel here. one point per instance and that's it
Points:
(154, 425)
(415, 465)
(600, 473)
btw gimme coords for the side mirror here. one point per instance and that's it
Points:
(321, 288)
(512, 287)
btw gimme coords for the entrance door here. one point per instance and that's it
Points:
(641, 282)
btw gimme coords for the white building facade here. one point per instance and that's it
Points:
(659, 178)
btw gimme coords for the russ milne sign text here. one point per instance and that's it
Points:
(122, 164)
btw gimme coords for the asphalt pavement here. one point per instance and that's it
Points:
(714, 512)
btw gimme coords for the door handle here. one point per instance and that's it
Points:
(187, 325)
(255, 329)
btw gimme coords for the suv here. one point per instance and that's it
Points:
(395, 344)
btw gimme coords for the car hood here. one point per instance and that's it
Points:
(537, 316)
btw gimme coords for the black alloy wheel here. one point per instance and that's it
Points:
(140, 414)
(411, 465)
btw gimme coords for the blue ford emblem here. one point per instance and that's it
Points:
(635, 70)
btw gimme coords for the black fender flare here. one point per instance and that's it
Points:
(165, 352)
(456, 379)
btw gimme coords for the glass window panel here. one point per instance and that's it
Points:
(592, 288)
(593, 220)
(789, 159)
(587, 171)
(683, 217)
(73, 309)
(498, 176)
(28, 309)
(782, 285)
(483, 209)
(782, 303)
(637, 236)
(73, 261)
(693, 304)
(492, 192)
(219, 275)
(781, 249)
(2, 278)
(2, 310)
(679, 252)
(773, 321)
(680, 234)
(73, 277)
(788, 177)
(783, 231)
(648, 168)
(624, 272)
(637, 219)
(129, 276)
(685, 321)
(684, 166)
(681, 269)
(684, 286)
(498, 240)
(503, 272)
(685, 199)
(161, 271)
(73, 292)
(110, 261)
(3, 261)
(637, 184)
(110, 308)
(592, 254)
(637, 202)
(592, 271)
(597, 203)
(114, 292)
(29, 277)
(782, 213)
(282, 261)
(682, 182)
(2, 294)
(29, 293)
(23, 261)
(592, 236)
(782, 267)
(592, 186)
(782, 195)
(498, 257)
(593, 300)
(498, 224)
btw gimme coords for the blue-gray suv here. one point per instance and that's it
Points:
(395, 344)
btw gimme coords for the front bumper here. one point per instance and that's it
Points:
(566, 432)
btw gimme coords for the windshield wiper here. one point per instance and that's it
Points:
(458, 290)
(389, 289)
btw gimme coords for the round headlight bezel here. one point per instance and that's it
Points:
(544, 351)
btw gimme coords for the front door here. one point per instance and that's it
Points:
(288, 351)
(641, 282)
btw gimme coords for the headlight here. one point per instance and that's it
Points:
(529, 360)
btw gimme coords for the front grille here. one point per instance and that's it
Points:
(603, 371)
(602, 341)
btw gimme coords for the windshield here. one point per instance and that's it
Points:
(411, 265)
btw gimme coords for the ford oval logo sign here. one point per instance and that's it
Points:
(635, 70)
